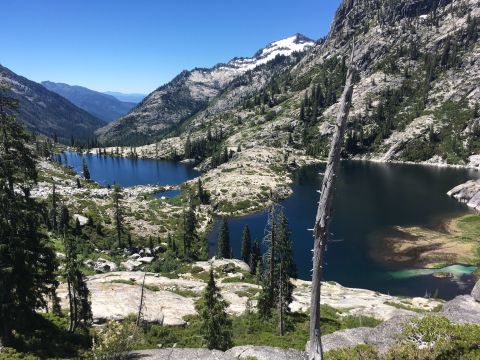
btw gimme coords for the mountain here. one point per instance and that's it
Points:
(416, 97)
(103, 106)
(192, 91)
(131, 98)
(46, 112)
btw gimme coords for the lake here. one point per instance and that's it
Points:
(370, 198)
(107, 170)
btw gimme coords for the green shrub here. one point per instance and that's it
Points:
(360, 352)
(11, 354)
(114, 341)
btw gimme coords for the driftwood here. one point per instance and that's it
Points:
(322, 221)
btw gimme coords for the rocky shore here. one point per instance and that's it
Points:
(468, 193)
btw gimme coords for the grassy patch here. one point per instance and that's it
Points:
(123, 281)
(185, 292)
(249, 329)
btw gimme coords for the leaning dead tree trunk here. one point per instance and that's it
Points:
(322, 221)
(140, 307)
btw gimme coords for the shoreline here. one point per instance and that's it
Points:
(416, 247)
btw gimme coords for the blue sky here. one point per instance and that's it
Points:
(138, 45)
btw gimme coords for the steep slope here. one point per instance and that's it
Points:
(416, 97)
(189, 93)
(46, 112)
(100, 105)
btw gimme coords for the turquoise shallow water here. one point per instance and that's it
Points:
(457, 271)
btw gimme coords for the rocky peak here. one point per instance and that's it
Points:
(357, 14)
(283, 47)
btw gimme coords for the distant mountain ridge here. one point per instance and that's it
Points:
(103, 106)
(127, 97)
(191, 91)
(46, 112)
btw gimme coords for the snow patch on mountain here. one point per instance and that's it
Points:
(284, 47)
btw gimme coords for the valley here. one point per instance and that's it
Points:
(183, 224)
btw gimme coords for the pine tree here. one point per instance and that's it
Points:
(276, 286)
(201, 193)
(246, 245)
(216, 327)
(189, 228)
(223, 243)
(285, 268)
(78, 295)
(285, 246)
(53, 214)
(27, 262)
(255, 257)
(267, 300)
(86, 172)
(118, 213)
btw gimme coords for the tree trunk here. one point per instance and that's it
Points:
(70, 302)
(272, 252)
(280, 302)
(322, 221)
(140, 307)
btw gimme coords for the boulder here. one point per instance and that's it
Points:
(383, 336)
(146, 259)
(131, 265)
(89, 263)
(461, 310)
(476, 291)
(81, 219)
(102, 266)
(228, 268)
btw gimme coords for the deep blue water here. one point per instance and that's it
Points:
(370, 198)
(168, 193)
(107, 170)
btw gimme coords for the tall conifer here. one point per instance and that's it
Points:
(216, 327)
(27, 262)
(246, 245)
(223, 244)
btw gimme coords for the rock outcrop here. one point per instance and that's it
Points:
(116, 295)
(468, 192)
(382, 337)
(476, 291)
(461, 310)
(238, 352)
(117, 301)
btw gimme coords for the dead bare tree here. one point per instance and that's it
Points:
(140, 307)
(322, 221)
